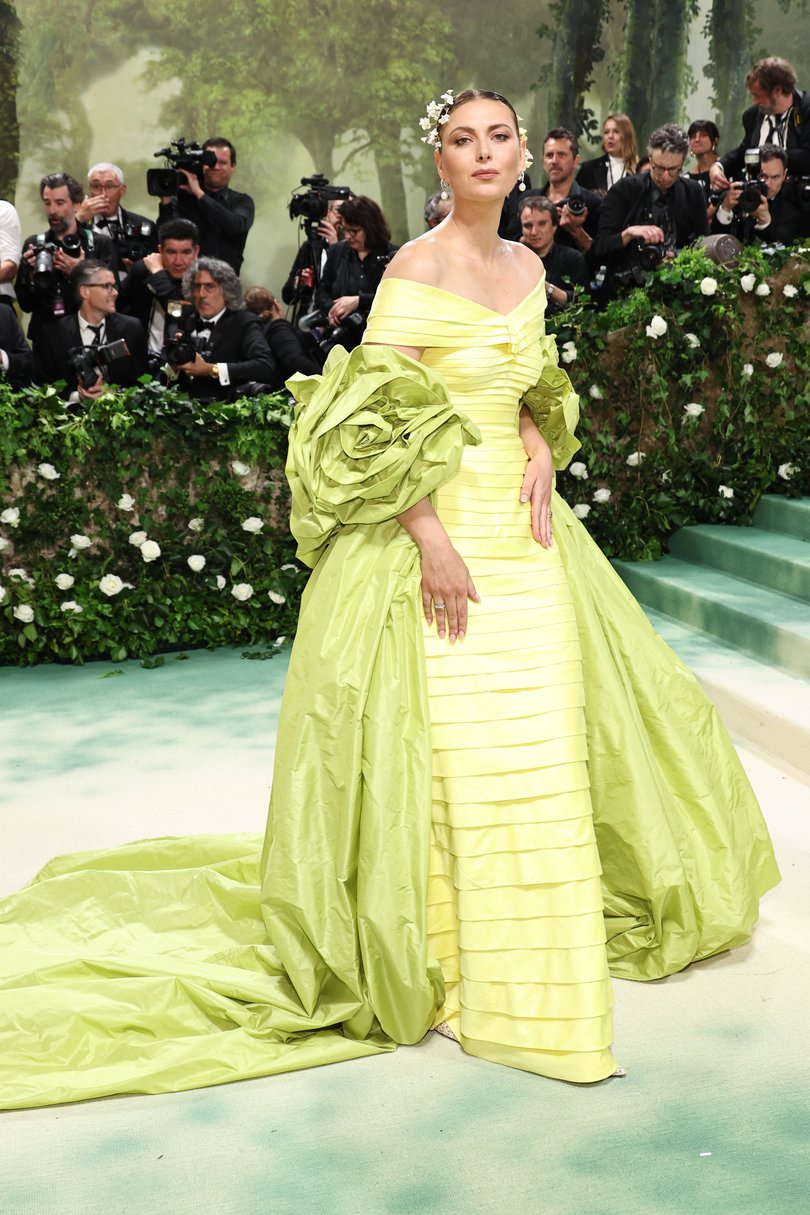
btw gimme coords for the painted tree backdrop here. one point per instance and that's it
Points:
(306, 85)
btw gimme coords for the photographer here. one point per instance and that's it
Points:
(780, 115)
(577, 207)
(566, 269)
(310, 259)
(352, 273)
(133, 235)
(157, 280)
(285, 341)
(94, 327)
(223, 216)
(764, 208)
(650, 216)
(49, 258)
(223, 348)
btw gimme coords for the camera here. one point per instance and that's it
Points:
(88, 362)
(181, 155)
(347, 333)
(311, 205)
(132, 241)
(576, 204)
(44, 251)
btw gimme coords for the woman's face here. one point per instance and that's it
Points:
(612, 138)
(481, 154)
(355, 237)
(700, 143)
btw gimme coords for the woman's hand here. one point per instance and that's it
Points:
(446, 587)
(343, 307)
(536, 489)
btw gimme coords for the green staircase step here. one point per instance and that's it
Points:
(770, 559)
(777, 514)
(772, 627)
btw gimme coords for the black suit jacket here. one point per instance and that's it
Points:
(59, 338)
(21, 366)
(797, 139)
(784, 228)
(141, 289)
(236, 339)
(223, 218)
(630, 202)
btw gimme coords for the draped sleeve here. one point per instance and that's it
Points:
(554, 406)
(372, 435)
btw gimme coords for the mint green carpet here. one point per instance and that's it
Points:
(713, 1116)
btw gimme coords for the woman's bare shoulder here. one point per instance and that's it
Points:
(419, 261)
(526, 260)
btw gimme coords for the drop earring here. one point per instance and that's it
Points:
(521, 181)
(445, 185)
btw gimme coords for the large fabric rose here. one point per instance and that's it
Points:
(372, 436)
(554, 406)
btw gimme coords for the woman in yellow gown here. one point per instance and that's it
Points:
(462, 683)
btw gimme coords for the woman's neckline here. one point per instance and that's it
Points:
(457, 296)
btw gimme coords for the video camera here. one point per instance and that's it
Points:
(181, 155)
(44, 250)
(88, 362)
(311, 205)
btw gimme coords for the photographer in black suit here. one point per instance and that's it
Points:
(230, 350)
(771, 213)
(577, 207)
(16, 358)
(650, 216)
(44, 289)
(780, 115)
(102, 211)
(157, 280)
(223, 216)
(96, 323)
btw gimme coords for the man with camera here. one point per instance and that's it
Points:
(223, 216)
(780, 116)
(96, 346)
(153, 291)
(50, 257)
(566, 269)
(764, 207)
(650, 216)
(222, 348)
(577, 208)
(133, 235)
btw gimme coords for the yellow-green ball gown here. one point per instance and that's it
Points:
(430, 852)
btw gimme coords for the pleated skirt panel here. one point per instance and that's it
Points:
(514, 895)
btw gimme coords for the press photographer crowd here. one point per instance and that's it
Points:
(111, 295)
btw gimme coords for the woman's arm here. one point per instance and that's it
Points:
(538, 479)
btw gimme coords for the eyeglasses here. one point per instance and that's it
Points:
(206, 287)
(108, 287)
(669, 170)
(108, 187)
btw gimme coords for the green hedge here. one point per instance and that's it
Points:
(717, 416)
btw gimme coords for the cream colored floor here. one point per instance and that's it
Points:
(712, 1117)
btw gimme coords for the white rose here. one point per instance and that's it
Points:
(64, 581)
(786, 471)
(48, 472)
(242, 591)
(692, 339)
(693, 409)
(11, 516)
(137, 539)
(666, 477)
(5, 543)
(725, 491)
(748, 369)
(790, 291)
(252, 524)
(70, 606)
(79, 541)
(125, 502)
(569, 352)
(578, 470)
(274, 597)
(774, 359)
(602, 495)
(582, 510)
(2, 593)
(763, 289)
(220, 582)
(72, 553)
(708, 285)
(150, 550)
(24, 613)
(635, 458)
(748, 282)
(20, 575)
(196, 524)
(595, 392)
(290, 566)
(280, 640)
(239, 468)
(110, 584)
(657, 327)
(195, 562)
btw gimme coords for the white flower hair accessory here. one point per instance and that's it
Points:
(436, 115)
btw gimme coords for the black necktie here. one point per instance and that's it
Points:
(96, 334)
